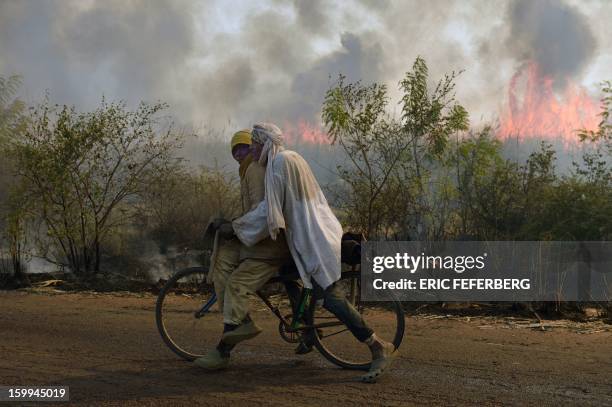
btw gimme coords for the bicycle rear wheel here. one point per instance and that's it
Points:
(338, 345)
(185, 307)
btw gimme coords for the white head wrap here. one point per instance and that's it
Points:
(271, 137)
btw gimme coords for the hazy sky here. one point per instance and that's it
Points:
(244, 61)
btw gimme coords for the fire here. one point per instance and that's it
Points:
(304, 133)
(535, 111)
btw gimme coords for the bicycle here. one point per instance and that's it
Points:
(186, 299)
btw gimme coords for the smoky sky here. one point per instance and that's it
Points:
(553, 34)
(119, 49)
(230, 63)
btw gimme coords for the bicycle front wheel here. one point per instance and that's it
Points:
(334, 340)
(185, 309)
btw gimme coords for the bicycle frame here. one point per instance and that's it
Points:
(289, 325)
(207, 306)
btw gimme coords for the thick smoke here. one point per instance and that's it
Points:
(554, 35)
(227, 64)
(80, 51)
(356, 60)
(312, 16)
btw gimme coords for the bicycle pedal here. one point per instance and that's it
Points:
(303, 349)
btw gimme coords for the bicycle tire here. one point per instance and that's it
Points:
(159, 312)
(394, 305)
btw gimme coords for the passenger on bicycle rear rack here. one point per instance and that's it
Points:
(295, 204)
(247, 268)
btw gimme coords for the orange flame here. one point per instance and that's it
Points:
(540, 113)
(304, 133)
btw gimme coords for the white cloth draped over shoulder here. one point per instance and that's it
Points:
(295, 202)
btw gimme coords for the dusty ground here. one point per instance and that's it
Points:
(106, 348)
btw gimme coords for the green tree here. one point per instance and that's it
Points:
(604, 130)
(581, 206)
(430, 116)
(11, 108)
(15, 234)
(80, 172)
(476, 158)
(13, 219)
(11, 121)
(392, 191)
(596, 167)
(356, 117)
(501, 199)
(179, 204)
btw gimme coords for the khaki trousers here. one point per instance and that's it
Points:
(228, 258)
(234, 280)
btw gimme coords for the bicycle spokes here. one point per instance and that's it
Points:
(181, 305)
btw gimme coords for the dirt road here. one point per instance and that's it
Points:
(106, 348)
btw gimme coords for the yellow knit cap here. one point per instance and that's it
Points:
(241, 137)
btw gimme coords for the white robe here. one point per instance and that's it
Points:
(298, 205)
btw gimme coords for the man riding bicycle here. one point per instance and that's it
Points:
(248, 268)
(294, 204)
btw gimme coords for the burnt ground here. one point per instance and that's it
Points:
(107, 349)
